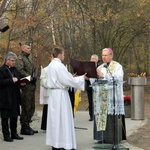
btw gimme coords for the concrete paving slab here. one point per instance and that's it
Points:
(84, 134)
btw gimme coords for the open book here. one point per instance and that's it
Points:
(25, 79)
(82, 67)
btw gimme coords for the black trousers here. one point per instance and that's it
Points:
(53, 148)
(72, 98)
(90, 100)
(9, 126)
(44, 117)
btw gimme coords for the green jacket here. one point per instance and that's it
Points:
(25, 66)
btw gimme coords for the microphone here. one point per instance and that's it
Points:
(105, 65)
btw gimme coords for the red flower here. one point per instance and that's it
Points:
(127, 99)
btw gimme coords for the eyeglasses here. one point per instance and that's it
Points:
(105, 55)
(12, 60)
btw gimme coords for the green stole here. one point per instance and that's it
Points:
(100, 97)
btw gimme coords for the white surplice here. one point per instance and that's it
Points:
(44, 89)
(60, 124)
(104, 95)
(114, 70)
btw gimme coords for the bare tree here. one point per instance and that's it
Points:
(81, 27)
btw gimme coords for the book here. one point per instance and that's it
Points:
(25, 80)
(82, 67)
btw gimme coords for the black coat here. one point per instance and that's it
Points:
(9, 92)
(88, 85)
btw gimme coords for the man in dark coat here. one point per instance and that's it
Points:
(9, 98)
(94, 58)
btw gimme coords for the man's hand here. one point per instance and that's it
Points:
(85, 77)
(75, 75)
(23, 84)
(99, 73)
(15, 79)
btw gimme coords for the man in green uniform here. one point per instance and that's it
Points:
(26, 67)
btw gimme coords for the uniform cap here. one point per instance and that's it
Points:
(24, 43)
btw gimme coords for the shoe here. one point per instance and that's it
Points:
(34, 131)
(26, 131)
(16, 137)
(101, 141)
(91, 119)
(53, 148)
(8, 139)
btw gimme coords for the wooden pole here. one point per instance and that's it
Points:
(2, 6)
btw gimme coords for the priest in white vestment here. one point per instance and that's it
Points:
(60, 124)
(104, 98)
(44, 91)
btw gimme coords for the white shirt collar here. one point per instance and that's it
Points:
(57, 59)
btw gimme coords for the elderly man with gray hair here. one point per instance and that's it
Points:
(9, 98)
(108, 101)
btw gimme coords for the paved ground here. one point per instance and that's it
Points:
(83, 136)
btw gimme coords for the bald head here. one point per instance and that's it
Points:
(26, 48)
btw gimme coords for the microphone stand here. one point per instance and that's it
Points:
(72, 99)
(114, 147)
(80, 128)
